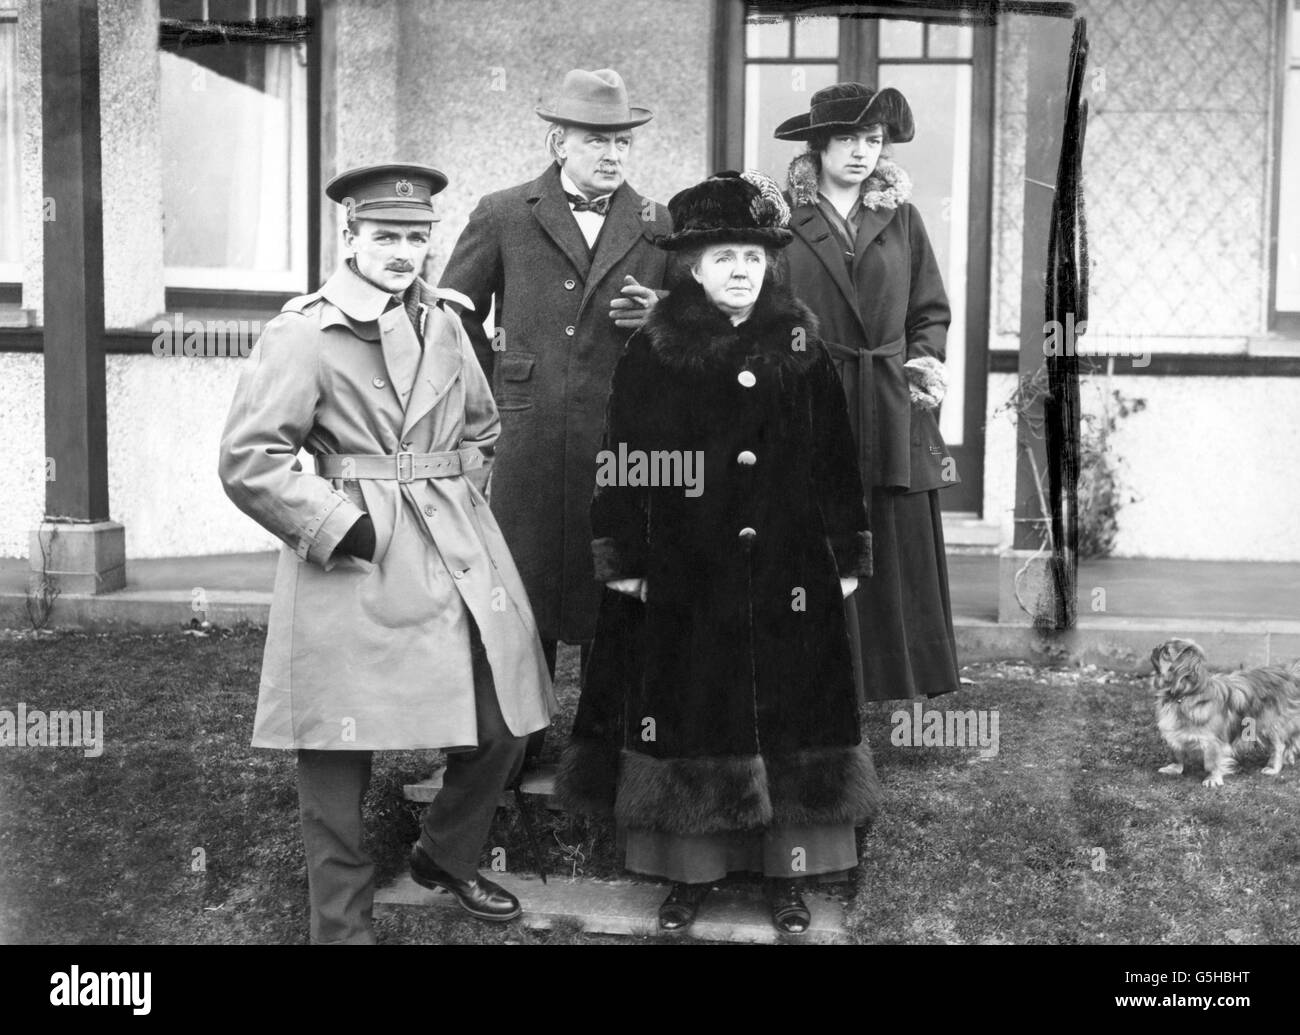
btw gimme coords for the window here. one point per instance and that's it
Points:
(11, 215)
(1286, 266)
(235, 149)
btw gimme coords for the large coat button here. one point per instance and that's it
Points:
(746, 457)
(429, 510)
(569, 330)
(379, 382)
(747, 378)
(747, 533)
(569, 285)
(458, 575)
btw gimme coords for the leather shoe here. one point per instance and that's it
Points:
(479, 897)
(678, 910)
(790, 913)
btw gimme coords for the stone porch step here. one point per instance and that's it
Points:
(964, 533)
(729, 914)
(539, 781)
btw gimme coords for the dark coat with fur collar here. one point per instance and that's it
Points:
(889, 302)
(726, 701)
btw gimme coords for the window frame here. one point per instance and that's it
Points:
(1282, 322)
(220, 294)
(11, 274)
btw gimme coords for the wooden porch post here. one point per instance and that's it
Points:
(1024, 580)
(76, 546)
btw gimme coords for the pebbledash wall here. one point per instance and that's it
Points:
(1178, 186)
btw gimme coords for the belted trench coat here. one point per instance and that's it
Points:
(376, 654)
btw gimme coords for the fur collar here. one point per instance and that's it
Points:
(888, 186)
(688, 332)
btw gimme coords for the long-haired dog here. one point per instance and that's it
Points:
(1223, 715)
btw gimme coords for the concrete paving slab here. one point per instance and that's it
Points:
(729, 914)
(539, 782)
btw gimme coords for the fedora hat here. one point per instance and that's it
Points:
(595, 100)
(740, 208)
(852, 104)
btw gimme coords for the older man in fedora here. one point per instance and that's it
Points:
(570, 263)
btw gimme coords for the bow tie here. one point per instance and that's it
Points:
(580, 204)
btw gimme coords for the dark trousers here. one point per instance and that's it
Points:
(453, 830)
(549, 647)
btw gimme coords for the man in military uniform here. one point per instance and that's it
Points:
(570, 263)
(398, 619)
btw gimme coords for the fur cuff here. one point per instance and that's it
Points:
(927, 381)
(693, 795)
(824, 785)
(613, 562)
(852, 554)
(587, 776)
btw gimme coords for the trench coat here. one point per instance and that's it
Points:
(887, 307)
(726, 700)
(555, 352)
(376, 654)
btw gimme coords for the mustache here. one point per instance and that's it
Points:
(401, 267)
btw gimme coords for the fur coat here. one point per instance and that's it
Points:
(726, 700)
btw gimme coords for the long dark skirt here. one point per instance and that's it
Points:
(900, 619)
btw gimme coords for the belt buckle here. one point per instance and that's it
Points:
(405, 474)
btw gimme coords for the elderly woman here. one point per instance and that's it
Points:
(862, 262)
(718, 718)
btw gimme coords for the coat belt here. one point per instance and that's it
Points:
(399, 467)
(868, 426)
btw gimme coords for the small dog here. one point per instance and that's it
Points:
(1223, 715)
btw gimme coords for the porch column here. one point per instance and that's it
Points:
(1047, 86)
(76, 547)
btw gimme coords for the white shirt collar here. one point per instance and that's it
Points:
(572, 188)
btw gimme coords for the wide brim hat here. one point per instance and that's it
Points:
(733, 207)
(595, 100)
(395, 192)
(852, 104)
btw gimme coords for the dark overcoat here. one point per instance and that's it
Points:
(884, 308)
(726, 700)
(887, 307)
(550, 363)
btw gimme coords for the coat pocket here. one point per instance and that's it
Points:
(514, 372)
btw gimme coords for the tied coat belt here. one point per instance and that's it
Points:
(862, 390)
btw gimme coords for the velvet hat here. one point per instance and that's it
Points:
(852, 104)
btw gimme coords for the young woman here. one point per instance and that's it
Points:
(862, 262)
(718, 717)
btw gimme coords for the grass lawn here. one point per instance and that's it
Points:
(180, 832)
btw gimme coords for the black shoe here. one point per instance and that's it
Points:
(789, 911)
(678, 910)
(479, 897)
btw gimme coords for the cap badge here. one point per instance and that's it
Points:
(404, 189)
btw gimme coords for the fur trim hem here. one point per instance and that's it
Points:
(825, 785)
(587, 776)
(747, 792)
(612, 561)
(693, 795)
(852, 554)
(888, 186)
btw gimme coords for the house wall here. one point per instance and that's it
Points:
(1177, 192)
